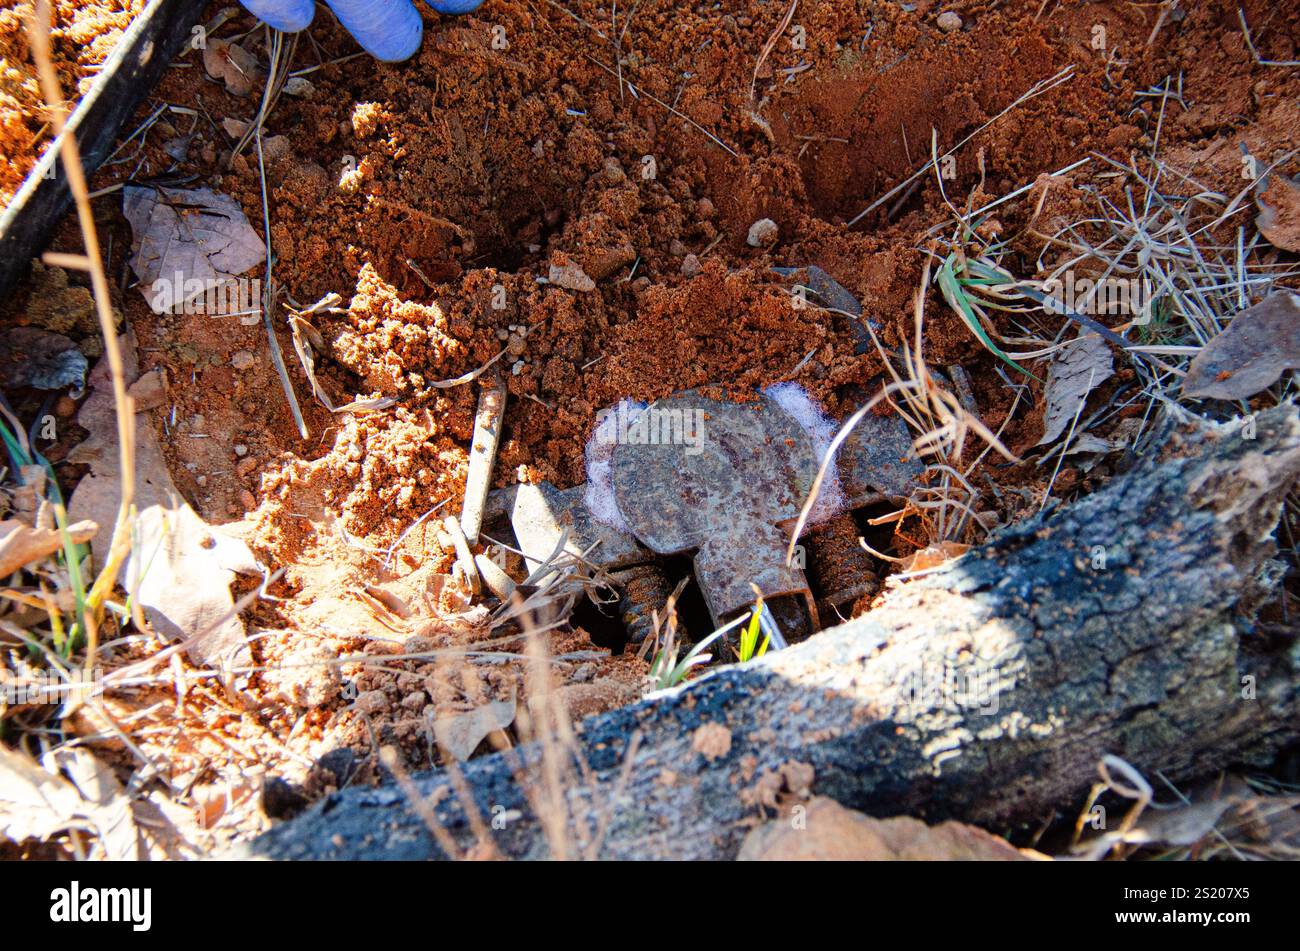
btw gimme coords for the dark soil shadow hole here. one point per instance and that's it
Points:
(693, 615)
(879, 537)
(863, 129)
(600, 619)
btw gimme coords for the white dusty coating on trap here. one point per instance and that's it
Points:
(791, 397)
(794, 399)
(599, 494)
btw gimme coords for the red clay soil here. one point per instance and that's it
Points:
(82, 35)
(415, 190)
(477, 167)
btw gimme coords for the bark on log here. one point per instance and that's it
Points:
(1121, 624)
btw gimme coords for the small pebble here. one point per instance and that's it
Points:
(242, 360)
(518, 368)
(614, 173)
(350, 181)
(241, 450)
(371, 702)
(571, 276)
(949, 21)
(691, 265)
(762, 233)
(299, 87)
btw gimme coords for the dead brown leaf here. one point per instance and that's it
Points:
(187, 243)
(37, 801)
(1260, 344)
(180, 569)
(461, 734)
(1279, 213)
(180, 572)
(100, 491)
(111, 808)
(1074, 372)
(235, 66)
(21, 545)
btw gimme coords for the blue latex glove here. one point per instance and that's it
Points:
(389, 30)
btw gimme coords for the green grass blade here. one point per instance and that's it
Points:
(72, 555)
(955, 295)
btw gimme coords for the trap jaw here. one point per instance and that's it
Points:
(727, 498)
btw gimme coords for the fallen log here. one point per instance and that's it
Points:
(985, 690)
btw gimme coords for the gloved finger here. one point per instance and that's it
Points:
(289, 16)
(455, 7)
(389, 30)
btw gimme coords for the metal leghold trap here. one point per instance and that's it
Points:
(722, 484)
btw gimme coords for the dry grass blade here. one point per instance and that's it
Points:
(307, 342)
(268, 301)
(468, 377)
(1160, 247)
(638, 91)
(758, 65)
(573, 16)
(392, 761)
(39, 30)
(1036, 90)
(276, 76)
(941, 422)
(1250, 44)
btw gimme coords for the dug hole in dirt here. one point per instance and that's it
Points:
(572, 306)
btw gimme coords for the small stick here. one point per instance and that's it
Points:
(39, 31)
(659, 102)
(1037, 90)
(1165, 9)
(463, 555)
(392, 761)
(483, 454)
(268, 301)
(1250, 44)
(569, 13)
(769, 46)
